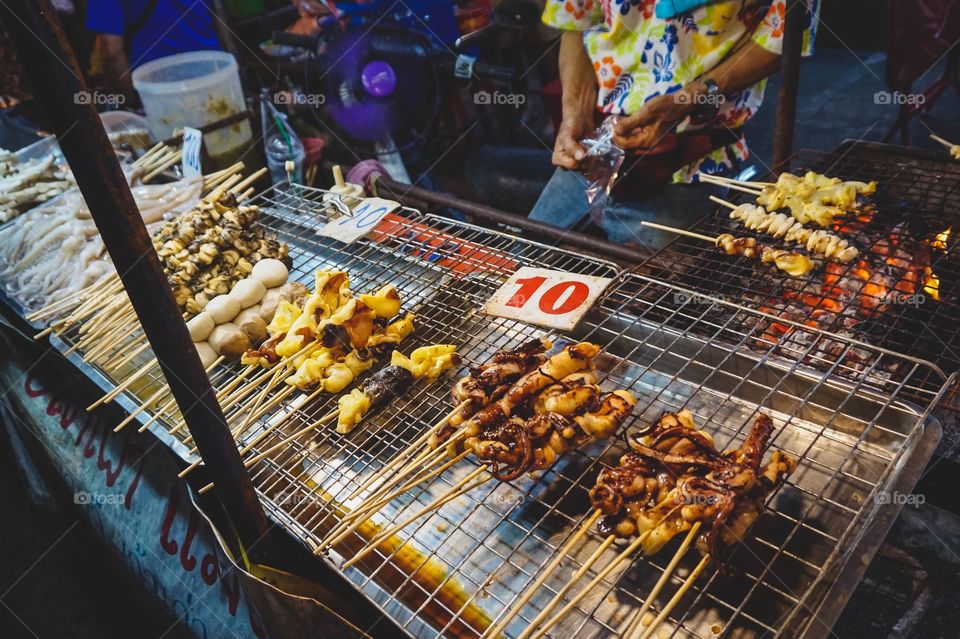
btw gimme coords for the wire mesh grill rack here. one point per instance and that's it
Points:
(914, 204)
(673, 349)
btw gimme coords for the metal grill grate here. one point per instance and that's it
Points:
(915, 201)
(467, 563)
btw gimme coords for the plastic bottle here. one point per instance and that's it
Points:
(281, 144)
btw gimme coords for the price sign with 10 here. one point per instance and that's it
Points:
(546, 298)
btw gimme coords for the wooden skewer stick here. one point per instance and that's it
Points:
(542, 576)
(937, 138)
(153, 398)
(416, 445)
(677, 596)
(428, 458)
(637, 620)
(720, 178)
(282, 395)
(729, 205)
(671, 229)
(157, 414)
(622, 557)
(353, 520)
(326, 419)
(108, 397)
(733, 185)
(577, 575)
(142, 407)
(239, 188)
(468, 483)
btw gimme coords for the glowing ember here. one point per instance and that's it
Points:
(931, 284)
(940, 242)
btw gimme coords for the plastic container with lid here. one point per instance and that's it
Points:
(193, 89)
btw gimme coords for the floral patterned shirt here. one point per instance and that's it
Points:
(638, 56)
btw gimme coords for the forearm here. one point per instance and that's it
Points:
(577, 76)
(741, 69)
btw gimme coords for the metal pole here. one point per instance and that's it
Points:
(415, 196)
(48, 59)
(786, 115)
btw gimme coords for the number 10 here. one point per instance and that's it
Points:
(550, 300)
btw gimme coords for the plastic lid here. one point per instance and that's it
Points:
(184, 72)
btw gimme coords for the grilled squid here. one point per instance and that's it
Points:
(779, 225)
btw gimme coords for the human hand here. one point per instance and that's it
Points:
(651, 127)
(567, 150)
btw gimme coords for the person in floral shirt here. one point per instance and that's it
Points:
(683, 85)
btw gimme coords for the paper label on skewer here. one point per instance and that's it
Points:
(546, 298)
(363, 218)
(190, 163)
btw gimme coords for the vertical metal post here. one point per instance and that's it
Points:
(790, 56)
(50, 63)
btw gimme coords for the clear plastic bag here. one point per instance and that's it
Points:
(602, 162)
(600, 166)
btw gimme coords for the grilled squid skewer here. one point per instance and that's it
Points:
(780, 225)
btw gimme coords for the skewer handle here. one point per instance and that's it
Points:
(671, 229)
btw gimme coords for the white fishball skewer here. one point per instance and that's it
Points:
(271, 272)
(206, 353)
(223, 308)
(200, 326)
(248, 292)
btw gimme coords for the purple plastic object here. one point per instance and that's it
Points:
(379, 79)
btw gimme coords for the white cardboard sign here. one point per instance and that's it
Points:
(364, 218)
(192, 141)
(546, 298)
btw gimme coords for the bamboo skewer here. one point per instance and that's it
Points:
(108, 397)
(661, 582)
(532, 633)
(580, 572)
(153, 398)
(461, 487)
(729, 205)
(355, 518)
(397, 459)
(937, 138)
(671, 229)
(730, 185)
(285, 441)
(326, 419)
(720, 178)
(156, 415)
(544, 574)
(623, 557)
(677, 596)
